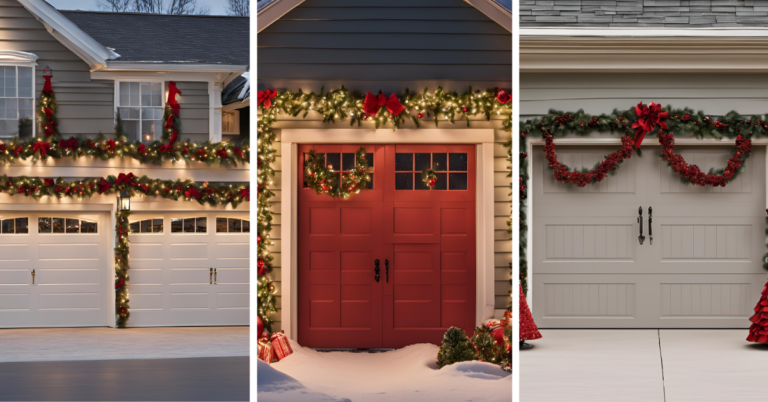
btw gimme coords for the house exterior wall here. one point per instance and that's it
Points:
(86, 106)
(643, 13)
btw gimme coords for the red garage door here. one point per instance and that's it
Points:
(422, 240)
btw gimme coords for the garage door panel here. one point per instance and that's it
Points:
(183, 300)
(61, 276)
(233, 276)
(10, 276)
(15, 301)
(189, 251)
(146, 300)
(145, 251)
(11, 252)
(68, 251)
(229, 251)
(69, 301)
(233, 300)
(190, 276)
(142, 276)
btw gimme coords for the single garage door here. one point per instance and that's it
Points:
(68, 255)
(189, 269)
(703, 268)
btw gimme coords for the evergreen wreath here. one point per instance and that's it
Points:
(324, 180)
(429, 177)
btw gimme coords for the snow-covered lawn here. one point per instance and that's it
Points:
(408, 374)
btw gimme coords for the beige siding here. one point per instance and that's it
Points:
(86, 107)
(502, 246)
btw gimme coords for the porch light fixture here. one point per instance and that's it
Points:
(47, 72)
(124, 201)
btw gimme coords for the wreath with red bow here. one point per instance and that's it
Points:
(324, 180)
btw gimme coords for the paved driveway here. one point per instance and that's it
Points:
(644, 365)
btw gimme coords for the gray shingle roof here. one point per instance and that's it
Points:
(168, 38)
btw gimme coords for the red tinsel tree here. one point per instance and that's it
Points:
(758, 331)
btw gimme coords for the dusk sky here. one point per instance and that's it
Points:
(217, 6)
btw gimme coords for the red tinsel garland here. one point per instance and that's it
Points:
(565, 175)
(694, 173)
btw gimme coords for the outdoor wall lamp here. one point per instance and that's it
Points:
(124, 201)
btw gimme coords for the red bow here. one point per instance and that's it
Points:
(174, 137)
(191, 193)
(2, 147)
(647, 117)
(17, 151)
(111, 145)
(57, 189)
(120, 283)
(48, 182)
(246, 193)
(50, 128)
(125, 178)
(169, 122)
(104, 186)
(372, 104)
(503, 97)
(71, 144)
(222, 153)
(172, 102)
(265, 97)
(48, 112)
(142, 149)
(42, 147)
(47, 87)
(238, 152)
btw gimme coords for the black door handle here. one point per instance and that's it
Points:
(641, 238)
(386, 265)
(650, 224)
(377, 269)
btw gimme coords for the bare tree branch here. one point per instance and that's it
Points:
(239, 8)
(174, 7)
(120, 6)
(186, 7)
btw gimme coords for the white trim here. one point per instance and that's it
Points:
(614, 32)
(214, 111)
(482, 138)
(10, 58)
(16, 57)
(170, 67)
(494, 11)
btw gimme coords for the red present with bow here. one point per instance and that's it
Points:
(266, 351)
(372, 104)
(281, 345)
(496, 329)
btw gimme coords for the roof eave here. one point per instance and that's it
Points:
(494, 11)
(175, 67)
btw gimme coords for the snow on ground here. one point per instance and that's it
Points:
(408, 374)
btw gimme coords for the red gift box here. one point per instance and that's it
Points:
(266, 351)
(281, 345)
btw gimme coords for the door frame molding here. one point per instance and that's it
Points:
(760, 142)
(483, 139)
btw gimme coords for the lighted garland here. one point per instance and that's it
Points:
(429, 177)
(121, 268)
(324, 180)
(48, 107)
(678, 122)
(340, 105)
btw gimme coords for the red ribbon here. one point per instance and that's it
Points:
(125, 178)
(70, 144)
(503, 97)
(246, 193)
(48, 182)
(192, 193)
(169, 122)
(172, 102)
(222, 153)
(238, 152)
(174, 137)
(42, 147)
(142, 149)
(2, 147)
(104, 186)
(647, 118)
(17, 151)
(372, 104)
(47, 87)
(120, 283)
(111, 145)
(265, 97)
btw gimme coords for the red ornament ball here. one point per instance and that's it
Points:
(420, 115)
(432, 182)
(260, 264)
(258, 239)
(464, 110)
(259, 326)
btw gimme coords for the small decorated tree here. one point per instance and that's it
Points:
(758, 331)
(489, 350)
(456, 348)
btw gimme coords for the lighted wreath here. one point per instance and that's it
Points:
(693, 174)
(429, 177)
(324, 180)
(564, 174)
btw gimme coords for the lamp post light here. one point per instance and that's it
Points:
(124, 201)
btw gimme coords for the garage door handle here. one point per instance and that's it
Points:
(386, 264)
(650, 224)
(376, 269)
(640, 221)
(215, 277)
(33, 276)
(210, 276)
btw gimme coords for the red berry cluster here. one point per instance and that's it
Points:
(694, 173)
(593, 122)
(564, 174)
(564, 119)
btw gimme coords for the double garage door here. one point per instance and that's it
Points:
(702, 268)
(72, 285)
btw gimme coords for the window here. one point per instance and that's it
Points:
(16, 98)
(232, 225)
(230, 122)
(141, 108)
(347, 163)
(66, 225)
(189, 225)
(146, 226)
(14, 226)
(450, 169)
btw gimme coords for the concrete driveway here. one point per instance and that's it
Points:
(644, 365)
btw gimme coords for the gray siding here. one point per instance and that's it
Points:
(644, 13)
(86, 107)
(371, 45)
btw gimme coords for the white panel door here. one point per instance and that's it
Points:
(189, 269)
(703, 268)
(68, 255)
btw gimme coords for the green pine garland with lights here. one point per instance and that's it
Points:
(48, 108)
(340, 105)
(680, 122)
(323, 179)
(122, 309)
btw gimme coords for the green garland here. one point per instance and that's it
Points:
(121, 268)
(323, 179)
(680, 122)
(340, 105)
(49, 108)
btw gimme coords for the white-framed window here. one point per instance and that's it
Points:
(189, 225)
(145, 226)
(66, 225)
(232, 225)
(141, 104)
(230, 122)
(17, 97)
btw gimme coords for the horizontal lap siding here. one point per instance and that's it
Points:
(194, 110)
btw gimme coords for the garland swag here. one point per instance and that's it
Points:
(339, 105)
(676, 122)
(49, 123)
(121, 268)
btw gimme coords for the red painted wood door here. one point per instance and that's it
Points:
(423, 239)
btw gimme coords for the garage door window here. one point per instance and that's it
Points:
(450, 166)
(231, 225)
(147, 226)
(14, 226)
(347, 162)
(66, 225)
(189, 225)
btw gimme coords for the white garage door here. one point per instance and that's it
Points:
(703, 269)
(189, 269)
(68, 255)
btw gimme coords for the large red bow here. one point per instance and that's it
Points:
(42, 147)
(265, 97)
(372, 104)
(125, 178)
(172, 102)
(70, 144)
(169, 122)
(47, 87)
(246, 193)
(503, 97)
(647, 118)
(191, 193)
(104, 186)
